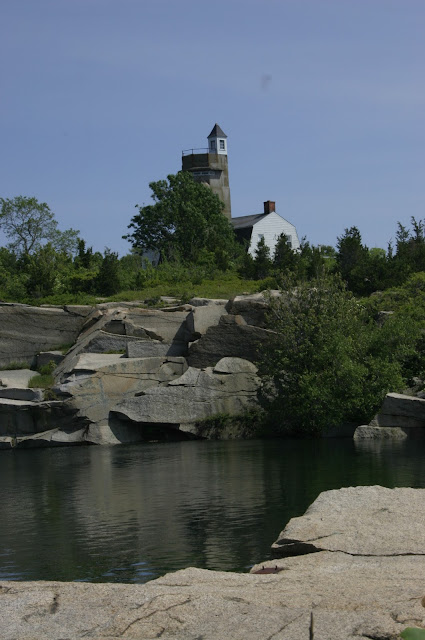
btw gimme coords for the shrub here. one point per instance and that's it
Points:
(326, 361)
(41, 381)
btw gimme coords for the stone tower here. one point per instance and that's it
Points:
(210, 166)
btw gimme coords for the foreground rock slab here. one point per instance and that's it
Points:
(351, 598)
(364, 521)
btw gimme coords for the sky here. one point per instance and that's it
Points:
(323, 103)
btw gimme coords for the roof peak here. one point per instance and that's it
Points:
(217, 132)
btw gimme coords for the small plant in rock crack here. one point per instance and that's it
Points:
(412, 633)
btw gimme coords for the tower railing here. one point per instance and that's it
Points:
(189, 152)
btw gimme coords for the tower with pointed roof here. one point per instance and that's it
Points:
(210, 166)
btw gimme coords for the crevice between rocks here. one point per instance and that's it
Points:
(295, 548)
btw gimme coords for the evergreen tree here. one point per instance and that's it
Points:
(262, 260)
(108, 279)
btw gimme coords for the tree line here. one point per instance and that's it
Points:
(183, 229)
(332, 355)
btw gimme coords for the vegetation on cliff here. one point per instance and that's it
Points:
(328, 361)
(334, 354)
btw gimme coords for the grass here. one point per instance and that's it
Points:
(115, 351)
(41, 381)
(15, 365)
(64, 348)
(225, 285)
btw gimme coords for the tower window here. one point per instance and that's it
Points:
(212, 145)
(222, 147)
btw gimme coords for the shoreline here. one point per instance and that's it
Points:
(360, 572)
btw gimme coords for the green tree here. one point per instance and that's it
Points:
(108, 279)
(185, 221)
(410, 251)
(284, 257)
(351, 260)
(46, 269)
(324, 364)
(29, 224)
(262, 260)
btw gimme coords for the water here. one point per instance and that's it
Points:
(132, 513)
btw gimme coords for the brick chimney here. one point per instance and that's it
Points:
(269, 206)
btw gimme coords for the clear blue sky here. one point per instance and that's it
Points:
(323, 102)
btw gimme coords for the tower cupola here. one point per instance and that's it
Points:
(217, 141)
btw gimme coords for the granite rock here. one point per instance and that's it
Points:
(388, 517)
(400, 410)
(232, 337)
(93, 395)
(26, 330)
(196, 395)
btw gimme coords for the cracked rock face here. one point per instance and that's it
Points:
(351, 597)
(26, 330)
(359, 521)
(92, 394)
(230, 387)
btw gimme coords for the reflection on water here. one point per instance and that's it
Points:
(132, 513)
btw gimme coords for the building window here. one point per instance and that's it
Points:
(222, 146)
(212, 145)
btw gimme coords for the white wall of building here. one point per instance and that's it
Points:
(271, 227)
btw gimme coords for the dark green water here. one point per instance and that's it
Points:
(130, 514)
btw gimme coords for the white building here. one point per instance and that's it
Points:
(268, 225)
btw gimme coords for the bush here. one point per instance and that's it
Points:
(327, 361)
(41, 381)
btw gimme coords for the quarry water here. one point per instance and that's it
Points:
(133, 513)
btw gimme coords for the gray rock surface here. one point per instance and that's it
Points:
(26, 330)
(21, 418)
(92, 396)
(371, 432)
(206, 315)
(232, 337)
(46, 357)
(196, 395)
(52, 437)
(388, 517)
(252, 308)
(18, 393)
(7, 442)
(17, 378)
(401, 411)
(136, 332)
(356, 597)
(154, 348)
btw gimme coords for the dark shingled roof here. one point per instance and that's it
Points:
(247, 221)
(217, 132)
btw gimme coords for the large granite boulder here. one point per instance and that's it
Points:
(23, 417)
(205, 314)
(58, 437)
(228, 388)
(401, 411)
(388, 517)
(98, 382)
(253, 308)
(232, 337)
(401, 416)
(137, 333)
(328, 595)
(16, 378)
(26, 330)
